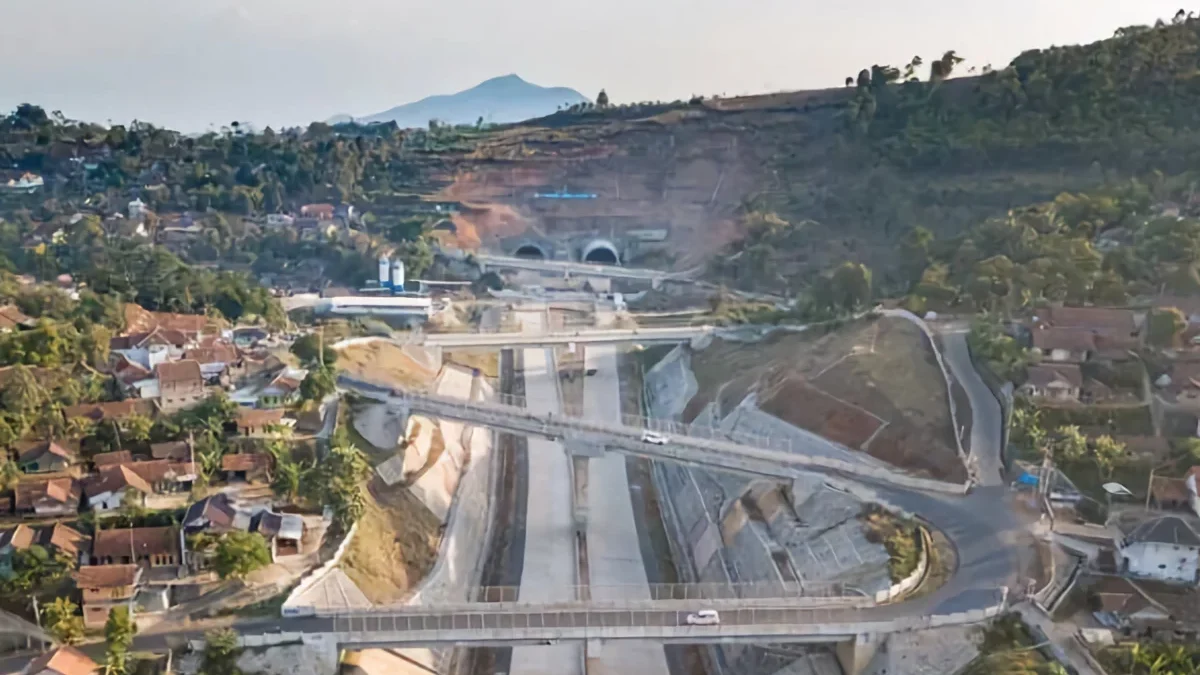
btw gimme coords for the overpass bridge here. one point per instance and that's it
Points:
(585, 336)
(743, 452)
(494, 624)
(485, 260)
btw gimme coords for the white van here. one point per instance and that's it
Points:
(705, 617)
(654, 438)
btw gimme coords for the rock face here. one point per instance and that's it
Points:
(500, 100)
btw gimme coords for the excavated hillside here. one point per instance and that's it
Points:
(804, 181)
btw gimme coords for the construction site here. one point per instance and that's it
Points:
(482, 515)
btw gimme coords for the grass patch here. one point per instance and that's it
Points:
(1151, 658)
(900, 536)
(385, 363)
(1007, 646)
(486, 362)
(395, 546)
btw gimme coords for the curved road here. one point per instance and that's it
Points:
(986, 417)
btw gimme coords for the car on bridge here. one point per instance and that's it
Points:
(705, 617)
(654, 438)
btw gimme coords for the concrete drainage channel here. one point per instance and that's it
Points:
(506, 555)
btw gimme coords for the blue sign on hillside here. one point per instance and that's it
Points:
(564, 195)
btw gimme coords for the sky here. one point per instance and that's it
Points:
(192, 64)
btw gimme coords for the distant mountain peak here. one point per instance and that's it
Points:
(499, 100)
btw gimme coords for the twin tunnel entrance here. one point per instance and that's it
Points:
(599, 251)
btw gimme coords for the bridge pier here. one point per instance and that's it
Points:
(579, 500)
(855, 655)
(581, 454)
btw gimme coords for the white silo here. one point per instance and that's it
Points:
(398, 275)
(383, 272)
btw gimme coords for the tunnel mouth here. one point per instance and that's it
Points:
(601, 255)
(530, 251)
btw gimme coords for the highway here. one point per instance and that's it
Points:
(614, 553)
(745, 453)
(486, 260)
(549, 572)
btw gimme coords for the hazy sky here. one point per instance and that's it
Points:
(191, 63)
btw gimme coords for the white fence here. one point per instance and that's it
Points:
(907, 584)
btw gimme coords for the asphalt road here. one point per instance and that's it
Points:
(986, 418)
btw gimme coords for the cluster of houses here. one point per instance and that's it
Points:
(138, 566)
(174, 361)
(1140, 572)
(163, 363)
(141, 568)
(177, 232)
(1075, 346)
(1067, 339)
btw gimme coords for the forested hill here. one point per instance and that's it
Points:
(799, 183)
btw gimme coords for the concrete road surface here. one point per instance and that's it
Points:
(614, 554)
(550, 568)
(986, 418)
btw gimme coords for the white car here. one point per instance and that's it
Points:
(705, 617)
(654, 438)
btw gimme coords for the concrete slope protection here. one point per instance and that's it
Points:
(549, 573)
(614, 553)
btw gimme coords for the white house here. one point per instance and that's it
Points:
(106, 490)
(1165, 548)
(1056, 383)
(138, 210)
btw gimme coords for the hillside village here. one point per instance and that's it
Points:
(132, 498)
(174, 446)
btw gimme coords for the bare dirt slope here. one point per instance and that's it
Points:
(386, 363)
(395, 546)
(872, 385)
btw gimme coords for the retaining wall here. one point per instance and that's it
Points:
(907, 584)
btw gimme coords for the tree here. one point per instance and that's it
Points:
(852, 286)
(318, 384)
(137, 428)
(1069, 444)
(62, 622)
(1107, 453)
(308, 349)
(338, 482)
(602, 99)
(220, 652)
(239, 553)
(119, 630)
(10, 474)
(1164, 326)
(1003, 354)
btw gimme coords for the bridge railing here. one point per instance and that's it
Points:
(661, 592)
(668, 427)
